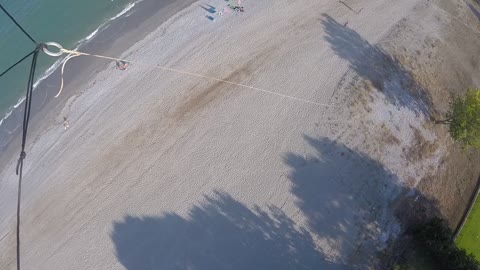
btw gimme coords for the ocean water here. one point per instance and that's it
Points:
(68, 22)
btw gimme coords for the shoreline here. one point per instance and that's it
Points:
(123, 33)
(56, 64)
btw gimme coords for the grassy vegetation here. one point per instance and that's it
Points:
(469, 238)
(434, 248)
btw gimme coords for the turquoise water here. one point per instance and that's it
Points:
(68, 22)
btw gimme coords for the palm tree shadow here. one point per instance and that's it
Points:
(373, 64)
(219, 234)
(353, 204)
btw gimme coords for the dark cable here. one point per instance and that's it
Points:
(26, 119)
(21, 28)
(18, 62)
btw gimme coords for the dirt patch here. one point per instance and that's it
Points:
(387, 135)
(446, 66)
(443, 64)
(199, 97)
(420, 147)
(435, 63)
(453, 185)
(362, 94)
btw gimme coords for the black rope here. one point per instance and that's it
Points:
(26, 119)
(18, 62)
(21, 28)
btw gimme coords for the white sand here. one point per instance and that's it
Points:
(124, 187)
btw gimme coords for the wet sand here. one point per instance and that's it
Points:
(118, 37)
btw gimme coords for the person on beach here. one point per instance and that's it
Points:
(237, 8)
(239, 5)
(121, 65)
(65, 123)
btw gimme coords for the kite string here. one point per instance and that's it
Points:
(26, 120)
(77, 53)
(18, 62)
(63, 69)
(18, 25)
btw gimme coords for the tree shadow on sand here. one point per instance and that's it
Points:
(373, 64)
(350, 203)
(473, 9)
(221, 233)
(353, 205)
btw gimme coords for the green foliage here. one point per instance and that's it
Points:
(436, 239)
(464, 118)
(470, 234)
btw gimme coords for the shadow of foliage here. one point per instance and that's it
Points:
(353, 204)
(373, 64)
(221, 233)
(346, 197)
(349, 200)
(473, 9)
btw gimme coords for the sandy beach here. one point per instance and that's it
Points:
(161, 170)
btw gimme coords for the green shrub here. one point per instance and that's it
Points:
(436, 239)
(463, 118)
